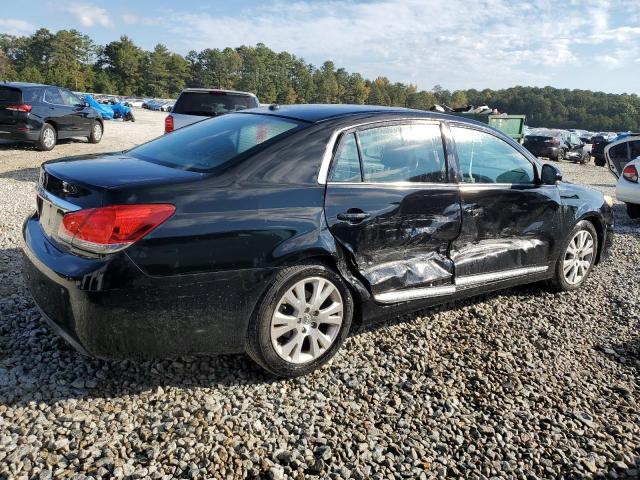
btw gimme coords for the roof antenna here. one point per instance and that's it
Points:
(274, 106)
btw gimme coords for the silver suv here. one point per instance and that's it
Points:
(195, 104)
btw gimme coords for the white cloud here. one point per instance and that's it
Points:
(129, 18)
(419, 41)
(16, 27)
(88, 14)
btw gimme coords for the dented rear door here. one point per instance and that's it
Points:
(390, 204)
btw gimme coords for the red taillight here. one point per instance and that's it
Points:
(19, 108)
(112, 228)
(168, 124)
(630, 173)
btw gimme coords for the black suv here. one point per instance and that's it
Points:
(42, 114)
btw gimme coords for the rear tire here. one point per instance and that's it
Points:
(96, 132)
(599, 162)
(48, 138)
(560, 155)
(633, 210)
(578, 256)
(289, 336)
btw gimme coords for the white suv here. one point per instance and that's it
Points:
(195, 104)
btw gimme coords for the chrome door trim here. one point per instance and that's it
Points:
(414, 294)
(396, 296)
(499, 275)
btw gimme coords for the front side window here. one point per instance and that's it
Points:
(70, 99)
(485, 158)
(403, 153)
(346, 164)
(52, 95)
(212, 143)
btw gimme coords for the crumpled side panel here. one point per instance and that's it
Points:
(432, 268)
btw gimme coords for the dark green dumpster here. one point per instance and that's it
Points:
(512, 125)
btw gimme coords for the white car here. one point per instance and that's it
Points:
(195, 104)
(623, 159)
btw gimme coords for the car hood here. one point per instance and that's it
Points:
(114, 170)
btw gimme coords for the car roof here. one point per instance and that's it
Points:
(314, 113)
(22, 84)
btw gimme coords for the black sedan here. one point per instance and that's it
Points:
(44, 114)
(271, 230)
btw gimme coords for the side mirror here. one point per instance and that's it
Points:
(550, 174)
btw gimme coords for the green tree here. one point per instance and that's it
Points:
(123, 60)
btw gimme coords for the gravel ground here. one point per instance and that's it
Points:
(518, 384)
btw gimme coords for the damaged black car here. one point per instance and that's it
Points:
(272, 230)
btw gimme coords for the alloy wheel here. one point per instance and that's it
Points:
(97, 131)
(48, 138)
(307, 320)
(578, 257)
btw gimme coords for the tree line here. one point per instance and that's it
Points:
(71, 59)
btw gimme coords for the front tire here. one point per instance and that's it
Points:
(633, 210)
(301, 321)
(577, 258)
(559, 155)
(48, 138)
(96, 132)
(586, 156)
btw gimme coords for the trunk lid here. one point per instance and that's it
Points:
(85, 182)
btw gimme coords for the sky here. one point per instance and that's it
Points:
(458, 44)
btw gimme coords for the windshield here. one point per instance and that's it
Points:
(212, 143)
(211, 104)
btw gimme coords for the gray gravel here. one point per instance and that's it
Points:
(519, 384)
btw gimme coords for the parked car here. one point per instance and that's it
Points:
(556, 145)
(195, 104)
(44, 114)
(133, 102)
(271, 230)
(623, 158)
(167, 106)
(600, 141)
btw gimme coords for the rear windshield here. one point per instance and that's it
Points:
(210, 144)
(211, 104)
(10, 95)
(537, 138)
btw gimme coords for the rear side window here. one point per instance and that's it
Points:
(403, 153)
(634, 149)
(485, 158)
(346, 165)
(619, 152)
(211, 104)
(10, 95)
(212, 143)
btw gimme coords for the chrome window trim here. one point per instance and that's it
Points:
(327, 157)
(396, 184)
(396, 296)
(57, 201)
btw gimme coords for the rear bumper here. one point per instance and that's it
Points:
(110, 309)
(549, 152)
(13, 133)
(628, 192)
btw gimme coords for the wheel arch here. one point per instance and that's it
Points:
(599, 224)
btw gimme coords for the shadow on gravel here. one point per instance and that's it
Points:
(38, 366)
(627, 354)
(22, 175)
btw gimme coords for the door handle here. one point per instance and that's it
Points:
(353, 215)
